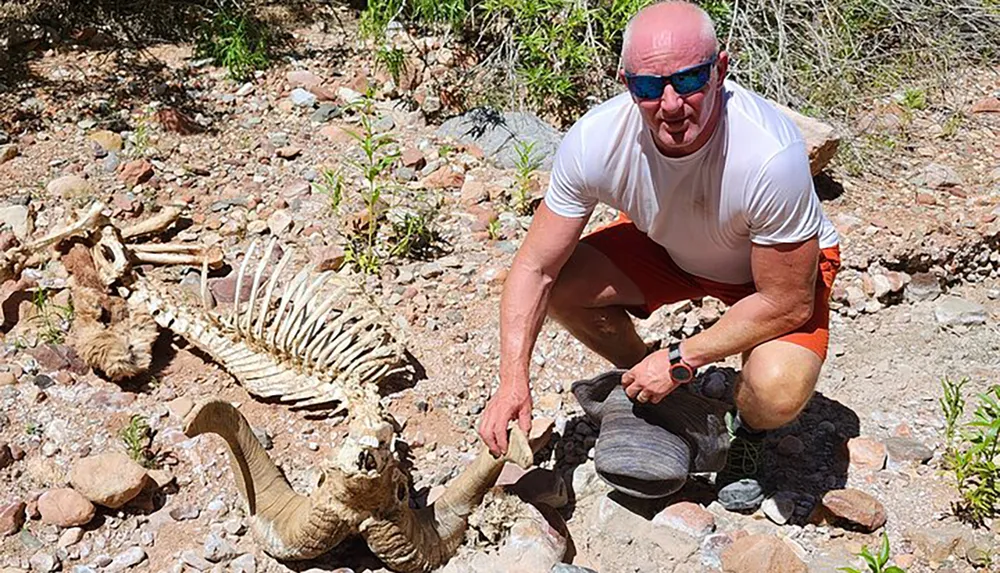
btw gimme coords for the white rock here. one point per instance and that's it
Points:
(955, 311)
(243, 564)
(779, 508)
(302, 98)
(128, 559)
(18, 218)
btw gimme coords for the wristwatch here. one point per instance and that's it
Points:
(680, 371)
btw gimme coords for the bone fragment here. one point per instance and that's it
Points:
(153, 225)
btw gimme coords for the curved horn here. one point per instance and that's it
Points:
(412, 541)
(286, 524)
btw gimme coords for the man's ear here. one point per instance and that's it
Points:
(621, 76)
(723, 65)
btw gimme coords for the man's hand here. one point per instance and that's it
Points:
(507, 404)
(649, 380)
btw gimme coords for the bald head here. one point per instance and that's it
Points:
(673, 31)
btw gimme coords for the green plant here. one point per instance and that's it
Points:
(331, 185)
(140, 137)
(137, 437)
(526, 164)
(50, 316)
(393, 60)
(972, 451)
(493, 229)
(876, 563)
(236, 40)
(914, 99)
(952, 124)
(33, 429)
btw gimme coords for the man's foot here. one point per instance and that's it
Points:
(740, 489)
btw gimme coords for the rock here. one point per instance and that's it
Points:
(288, 152)
(302, 98)
(761, 554)
(111, 163)
(866, 453)
(937, 542)
(65, 507)
(443, 178)
(7, 379)
(302, 79)
(70, 537)
(325, 112)
(790, 446)
(11, 518)
(855, 508)
(8, 152)
(18, 218)
(6, 456)
(136, 172)
(686, 517)
(44, 562)
(413, 158)
(279, 221)
(954, 311)
(108, 140)
(184, 512)
(195, 561)
(923, 287)
(742, 495)
(499, 133)
(217, 549)
(903, 450)
(243, 564)
(712, 547)
(127, 559)
(822, 140)
(533, 544)
(779, 508)
(987, 104)
(110, 479)
(567, 568)
(69, 187)
(179, 407)
(175, 121)
(224, 289)
(936, 176)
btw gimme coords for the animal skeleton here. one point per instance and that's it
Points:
(314, 339)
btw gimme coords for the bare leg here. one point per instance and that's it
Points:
(777, 380)
(589, 300)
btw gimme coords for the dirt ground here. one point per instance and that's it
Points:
(927, 206)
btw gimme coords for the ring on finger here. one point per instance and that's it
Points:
(642, 396)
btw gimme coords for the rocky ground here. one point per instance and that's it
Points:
(918, 300)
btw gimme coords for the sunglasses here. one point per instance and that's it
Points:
(684, 82)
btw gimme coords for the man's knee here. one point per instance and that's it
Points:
(773, 393)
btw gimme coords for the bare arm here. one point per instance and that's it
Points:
(785, 277)
(548, 245)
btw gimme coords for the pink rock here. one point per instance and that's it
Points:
(302, 79)
(855, 507)
(687, 517)
(761, 554)
(136, 172)
(412, 157)
(65, 507)
(444, 178)
(11, 518)
(866, 453)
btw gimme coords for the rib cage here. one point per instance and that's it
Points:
(303, 341)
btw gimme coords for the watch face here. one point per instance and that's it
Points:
(680, 372)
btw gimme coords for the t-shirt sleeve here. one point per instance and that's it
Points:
(783, 206)
(569, 194)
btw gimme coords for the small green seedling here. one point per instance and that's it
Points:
(876, 563)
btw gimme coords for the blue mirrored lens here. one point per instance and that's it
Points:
(692, 80)
(647, 87)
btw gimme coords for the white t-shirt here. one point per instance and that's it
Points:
(750, 183)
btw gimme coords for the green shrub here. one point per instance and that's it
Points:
(973, 451)
(236, 40)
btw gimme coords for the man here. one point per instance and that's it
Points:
(716, 197)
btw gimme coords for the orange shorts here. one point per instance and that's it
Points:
(662, 282)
